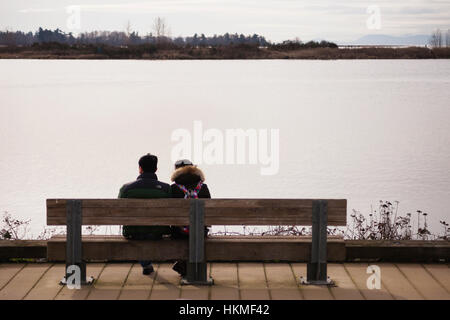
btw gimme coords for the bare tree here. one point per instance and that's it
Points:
(128, 28)
(439, 37)
(436, 38)
(10, 37)
(447, 38)
(161, 28)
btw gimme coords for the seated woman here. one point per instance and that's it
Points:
(188, 183)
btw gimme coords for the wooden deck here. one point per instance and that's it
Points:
(233, 281)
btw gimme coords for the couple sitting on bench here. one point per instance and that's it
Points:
(188, 183)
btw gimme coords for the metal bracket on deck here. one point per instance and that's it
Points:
(196, 266)
(316, 271)
(74, 254)
(327, 282)
(88, 281)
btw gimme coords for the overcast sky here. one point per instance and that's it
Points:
(336, 20)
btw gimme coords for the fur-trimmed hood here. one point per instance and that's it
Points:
(188, 172)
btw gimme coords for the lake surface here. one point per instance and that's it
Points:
(362, 130)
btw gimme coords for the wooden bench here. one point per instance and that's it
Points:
(197, 213)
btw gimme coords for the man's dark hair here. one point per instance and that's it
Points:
(148, 163)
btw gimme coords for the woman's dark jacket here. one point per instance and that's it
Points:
(188, 176)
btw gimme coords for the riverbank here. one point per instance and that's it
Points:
(150, 52)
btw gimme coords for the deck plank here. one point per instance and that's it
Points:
(310, 292)
(396, 283)
(110, 282)
(92, 270)
(137, 285)
(233, 281)
(346, 288)
(252, 281)
(441, 273)
(189, 292)
(359, 275)
(8, 271)
(226, 285)
(423, 281)
(166, 284)
(281, 282)
(24, 281)
(48, 286)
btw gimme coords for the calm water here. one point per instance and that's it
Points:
(361, 130)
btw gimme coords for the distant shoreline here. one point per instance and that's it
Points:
(142, 52)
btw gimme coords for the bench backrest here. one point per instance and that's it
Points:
(217, 211)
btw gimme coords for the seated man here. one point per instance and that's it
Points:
(146, 186)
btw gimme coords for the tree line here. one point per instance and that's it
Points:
(438, 39)
(160, 37)
(123, 38)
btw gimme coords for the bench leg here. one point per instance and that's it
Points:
(197, 269)
(75, 266)
(317, 267)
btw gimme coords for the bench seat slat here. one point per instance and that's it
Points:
(176, 212)
(250, 248)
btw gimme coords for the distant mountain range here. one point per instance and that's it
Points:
(382, 39)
